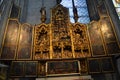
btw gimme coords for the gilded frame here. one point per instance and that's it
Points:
(83, 66)
(41, 69)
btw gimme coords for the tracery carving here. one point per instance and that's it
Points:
(80, 40)
(42, 42)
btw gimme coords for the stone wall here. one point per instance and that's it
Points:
(33, 13)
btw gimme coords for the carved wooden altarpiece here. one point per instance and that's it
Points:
(61, 39)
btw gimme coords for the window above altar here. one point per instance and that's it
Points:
(117, 6)
(82, 10)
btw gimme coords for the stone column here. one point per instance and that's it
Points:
(92, 9)
(4, 18)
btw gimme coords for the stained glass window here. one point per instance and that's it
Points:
(117, 6)
(81, 8)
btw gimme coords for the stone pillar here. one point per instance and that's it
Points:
(92, 9)
(4, 18)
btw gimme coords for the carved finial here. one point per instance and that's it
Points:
(58, 1)
(75, 12)
(43, 14)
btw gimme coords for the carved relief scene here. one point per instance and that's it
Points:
(41, 42)
(80, 40)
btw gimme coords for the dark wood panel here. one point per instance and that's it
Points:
(31, 69)
(62, 67)
(94, 65)
(107, 65)
(17, 69)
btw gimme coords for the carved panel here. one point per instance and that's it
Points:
(60, 13)
(83, 66)
(57, 50)
(42, 69)
(80, 41)
(42, 42)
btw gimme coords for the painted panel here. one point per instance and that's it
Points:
(12, 30)
(24, 53)
(26, 35)
(96, 39)
(8, 52)
(62, 67)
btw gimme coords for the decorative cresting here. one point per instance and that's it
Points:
(61, 39)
